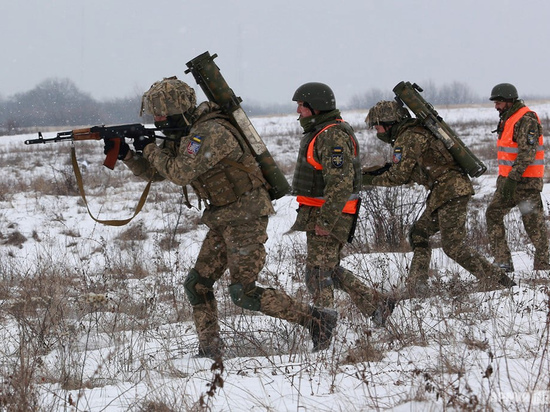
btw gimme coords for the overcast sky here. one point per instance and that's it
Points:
(266, 49)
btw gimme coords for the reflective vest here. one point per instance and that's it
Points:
(508, 149)
(351, 205)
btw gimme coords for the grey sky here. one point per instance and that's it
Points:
(117, 48)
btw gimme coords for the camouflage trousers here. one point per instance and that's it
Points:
(324, 274)
(532, 214)
(239, 248)
(450, 220)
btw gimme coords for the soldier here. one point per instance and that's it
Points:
(327, 181)
(520, 177)
(419, 157)
(209, 154)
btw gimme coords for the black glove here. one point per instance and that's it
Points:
(367, 179)
(142, 141)
(376, 170)
(122, 151)
(509, 189)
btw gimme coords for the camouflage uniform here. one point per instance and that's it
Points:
(337, 151)
(419, 157)
(527, 195)
(211, 156)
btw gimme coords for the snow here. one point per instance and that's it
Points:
(98, 318)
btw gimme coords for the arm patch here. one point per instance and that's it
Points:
(194, 145)
(532, 137)
(337, 156)
(397, 154)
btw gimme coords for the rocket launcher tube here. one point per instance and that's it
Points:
(408, 94)
(209, 78)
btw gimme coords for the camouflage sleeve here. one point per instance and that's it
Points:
(407, 149)
(142, 169)
(334, 150)
(526, 135)
(205, 146)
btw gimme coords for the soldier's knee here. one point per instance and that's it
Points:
(418, 238)
(195, 296)
(456, 251)
(340, 277)
(491, 213)
(246, 296)
(318, 279)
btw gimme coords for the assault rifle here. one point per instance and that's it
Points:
(115, 133)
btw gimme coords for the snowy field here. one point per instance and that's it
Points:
(94, 318)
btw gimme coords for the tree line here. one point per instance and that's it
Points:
(59, 103)
(446, 94)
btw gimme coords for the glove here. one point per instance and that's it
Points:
(376, 170)
(122, 152)
(142, 141)
(509, 189)
(367, 179)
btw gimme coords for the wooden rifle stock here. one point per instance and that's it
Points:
(91, 134)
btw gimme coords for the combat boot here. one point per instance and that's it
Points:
(541, 266)
(384, 309)
(490, 284)
(506, 281)
(212, 350)
(320, 326)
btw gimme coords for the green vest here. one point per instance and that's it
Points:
(308, 181)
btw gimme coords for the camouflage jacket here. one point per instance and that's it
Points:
(214, 161)
(337, 151)
(419, 157)
(527, 126)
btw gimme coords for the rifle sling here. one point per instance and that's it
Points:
(107, 222)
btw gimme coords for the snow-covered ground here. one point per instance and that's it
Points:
(94, 318)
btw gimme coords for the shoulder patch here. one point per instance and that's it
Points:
(337, 156)
(532, 137)
(397, 154)
(194, 145)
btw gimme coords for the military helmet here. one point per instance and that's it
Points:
(317, 95)
(168, 97)
(504, 92)
(386, 112)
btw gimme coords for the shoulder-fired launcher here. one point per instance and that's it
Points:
(216, 89)
(408, 94)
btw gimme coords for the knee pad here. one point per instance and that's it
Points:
(193, 278)
(247, 297)
(317, 279)
(418, 238)
(339, 274)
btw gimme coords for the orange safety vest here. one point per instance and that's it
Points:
(508, 149)
(351, 205)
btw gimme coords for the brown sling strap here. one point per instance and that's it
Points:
(107, 222)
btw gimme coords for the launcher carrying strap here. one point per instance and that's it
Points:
(107, 222)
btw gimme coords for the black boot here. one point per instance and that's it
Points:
(322, 322)
(506, 281)
(214, 350)
(383, 310)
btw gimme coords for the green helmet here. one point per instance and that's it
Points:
(386, 112)
(168, 97)
(317, 95)
(504, 92)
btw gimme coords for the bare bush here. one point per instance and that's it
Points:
(98, 311)
(387, 215)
